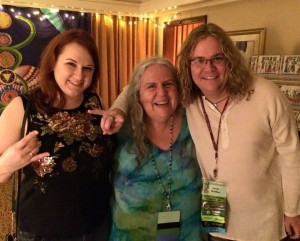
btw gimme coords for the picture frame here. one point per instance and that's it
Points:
(253, 63)
(297, 117)
(291, 89)
(290, 64)
(250, 42)
(268, 64)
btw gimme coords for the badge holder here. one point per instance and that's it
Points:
(168, 226)
(213, 206)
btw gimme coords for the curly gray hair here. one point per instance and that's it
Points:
(136, 121)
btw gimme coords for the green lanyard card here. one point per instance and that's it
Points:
(213, 206)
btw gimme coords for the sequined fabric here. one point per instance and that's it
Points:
(67, 193)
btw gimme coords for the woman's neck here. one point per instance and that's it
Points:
(72, 103)
(159, 133)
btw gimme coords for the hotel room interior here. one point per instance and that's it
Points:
(131, 30)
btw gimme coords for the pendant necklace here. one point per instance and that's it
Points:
(214, 142)
(215, 104)
(166, 194)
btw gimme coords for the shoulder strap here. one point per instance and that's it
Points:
(17, 175)
(26, 104)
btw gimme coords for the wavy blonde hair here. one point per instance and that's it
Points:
(239, 78)
(136, 125)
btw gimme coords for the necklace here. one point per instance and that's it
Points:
(215, 104)
(166, 194)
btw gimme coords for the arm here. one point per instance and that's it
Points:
(121, 101)
(287, 141)
(113, 119)
(281, 122)
(15, 153)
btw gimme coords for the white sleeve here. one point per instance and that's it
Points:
(121, 101)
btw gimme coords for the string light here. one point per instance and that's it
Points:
(145, 17)
(72, 7)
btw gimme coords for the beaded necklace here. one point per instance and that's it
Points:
(166, 194)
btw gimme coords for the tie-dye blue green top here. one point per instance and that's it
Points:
(139, 196)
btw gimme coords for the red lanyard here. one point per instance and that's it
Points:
(215, 143)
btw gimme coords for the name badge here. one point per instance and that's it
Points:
(168, 226)
(213, 206)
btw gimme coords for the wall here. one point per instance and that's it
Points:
(281, 18)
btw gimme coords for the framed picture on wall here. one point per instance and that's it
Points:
(297, 116)
(291, 90)
(250, 42)
(268, 64)
(290, 64)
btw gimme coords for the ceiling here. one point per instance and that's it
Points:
(149, 8)
(158, 8)
(133, 1)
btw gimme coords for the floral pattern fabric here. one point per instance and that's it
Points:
(70, 188)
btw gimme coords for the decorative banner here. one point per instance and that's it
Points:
(24, 33)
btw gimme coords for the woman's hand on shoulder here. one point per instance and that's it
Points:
(111, 121)
(19, 155)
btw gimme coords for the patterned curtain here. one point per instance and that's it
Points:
(122, 43)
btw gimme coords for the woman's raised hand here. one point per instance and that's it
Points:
(20, 155)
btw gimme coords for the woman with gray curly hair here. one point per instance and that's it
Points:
(156, 175)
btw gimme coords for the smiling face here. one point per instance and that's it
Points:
(73, 71)
(210, 77)
(158, 93)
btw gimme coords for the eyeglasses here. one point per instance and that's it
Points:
(215, 61)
